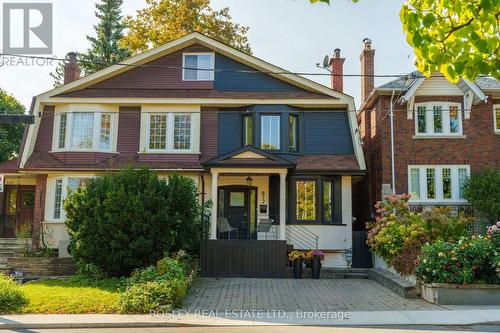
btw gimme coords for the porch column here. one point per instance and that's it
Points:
(213, 219)
(282, 206)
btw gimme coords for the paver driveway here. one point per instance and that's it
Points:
(291, 295)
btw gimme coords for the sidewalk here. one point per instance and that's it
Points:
(256, 318)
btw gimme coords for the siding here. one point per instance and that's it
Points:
(228, 132)
(44, 138)
(438, 86)
(129, 130)
(234, 81)
(327, 133)
(208, 134)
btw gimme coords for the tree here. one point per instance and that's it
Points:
(105, 48)
(10, 134)
(130, 219)
(166, 20)
(482, 190)
(456, 38)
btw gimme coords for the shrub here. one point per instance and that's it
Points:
(470, 260)
(482, 190)
(130, 219)
(12, 299)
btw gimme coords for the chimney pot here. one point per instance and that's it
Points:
(71, 69)
(337, 53)
(367, 42)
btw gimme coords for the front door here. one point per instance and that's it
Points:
(239, 207)
(19, 211)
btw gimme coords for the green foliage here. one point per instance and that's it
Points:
(456, 38)
(482, 190)
(10, 134)
(166, 20)
(104, 47)
(12, 299)
(470, 260)
(127, 220)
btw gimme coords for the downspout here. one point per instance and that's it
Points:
(393, 176)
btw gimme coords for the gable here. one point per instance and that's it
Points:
(438, 85)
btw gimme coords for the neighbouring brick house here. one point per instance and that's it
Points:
(276, 153)
(443, 132)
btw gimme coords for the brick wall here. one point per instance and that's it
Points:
(38, 214)
(43, 266)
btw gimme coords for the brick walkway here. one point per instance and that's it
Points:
(292, 295)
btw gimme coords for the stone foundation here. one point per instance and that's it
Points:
(42, 266)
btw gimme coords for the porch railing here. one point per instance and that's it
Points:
(302, 237)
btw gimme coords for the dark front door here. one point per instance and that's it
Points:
(239, 207)
(19, 206)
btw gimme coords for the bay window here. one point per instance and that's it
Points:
(437, 182)
(270, 132)
(292, 133)
(169, 132)
(248, 130)
(438, 119)
(84, 131)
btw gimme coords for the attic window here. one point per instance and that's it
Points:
(198, 66)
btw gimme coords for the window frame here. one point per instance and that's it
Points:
(96, 131)
(295, 133)
(280, 132)
(317, 195)
(496, 126)
(169, 141)
(212, 66)
(244, 117)
(445, 119)
(64, 194)
(438, 180)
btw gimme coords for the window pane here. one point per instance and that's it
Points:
(58, 199)
(182, 131)
(247, 130)
(83, 130)
(204, 63)
(306, 200)
(415, 183)
(11, 204)
(198, 67)
(454, 122)
(270, 132)
(190, 65)
(158, 131)
(76, 183)
(221, 204)
(237, 199)
(497, 117)
(431, 184)
(327, 201)
(421, 119)
(446, 183)
(62, 131)
(438, 119)
(462, 176)
(292, 133)
(105, 137)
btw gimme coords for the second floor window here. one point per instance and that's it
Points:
(496, 118)
(292, 133)
(270, 132)
(84, 131)
(169, 132)
(438, 119)
(248, 130)
(198, 66)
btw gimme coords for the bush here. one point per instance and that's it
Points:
(470, 260)
(12, 299)
(482, 190)
(130, 219)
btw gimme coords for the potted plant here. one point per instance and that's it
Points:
(296, 257)
(315, 257)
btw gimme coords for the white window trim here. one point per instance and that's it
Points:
(170, 133)
(64, 193)
(495, 125)
(212, 64)
(96, 132)
(445, 106)
(439, 183)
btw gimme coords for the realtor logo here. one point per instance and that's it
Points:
(27, 28)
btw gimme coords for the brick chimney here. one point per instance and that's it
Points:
(71, 69)
(367, 58)
(337, 70)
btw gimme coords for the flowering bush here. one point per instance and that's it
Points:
(470, 260)
(296, 256)
(315, 254)
(494, 234)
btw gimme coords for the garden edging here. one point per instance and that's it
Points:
(452, 294)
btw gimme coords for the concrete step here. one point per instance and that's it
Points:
(3, 261)
(17, 241)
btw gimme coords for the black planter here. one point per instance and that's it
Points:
(315, 268)
(297, 269)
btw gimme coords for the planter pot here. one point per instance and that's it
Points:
(452, 294)
(315, 268)
(297, 269)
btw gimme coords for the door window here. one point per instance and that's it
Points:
(27, 199)
(11, 202)
(237, 199)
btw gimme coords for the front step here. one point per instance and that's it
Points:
(15, 241)
(334, 273)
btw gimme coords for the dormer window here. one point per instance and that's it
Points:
(438, 119)
(198, 66)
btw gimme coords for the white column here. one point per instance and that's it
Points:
(282, 206)
(213, 219)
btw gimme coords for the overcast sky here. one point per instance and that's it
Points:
(292, 34)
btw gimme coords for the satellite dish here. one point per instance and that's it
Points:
(326, 61)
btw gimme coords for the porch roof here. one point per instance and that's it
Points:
(249, 157)
(10, 166)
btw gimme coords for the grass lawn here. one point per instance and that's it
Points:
(74, 295)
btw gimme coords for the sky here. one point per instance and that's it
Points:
(292, 34)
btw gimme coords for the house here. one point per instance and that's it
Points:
(442, 132)
(265, 145)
